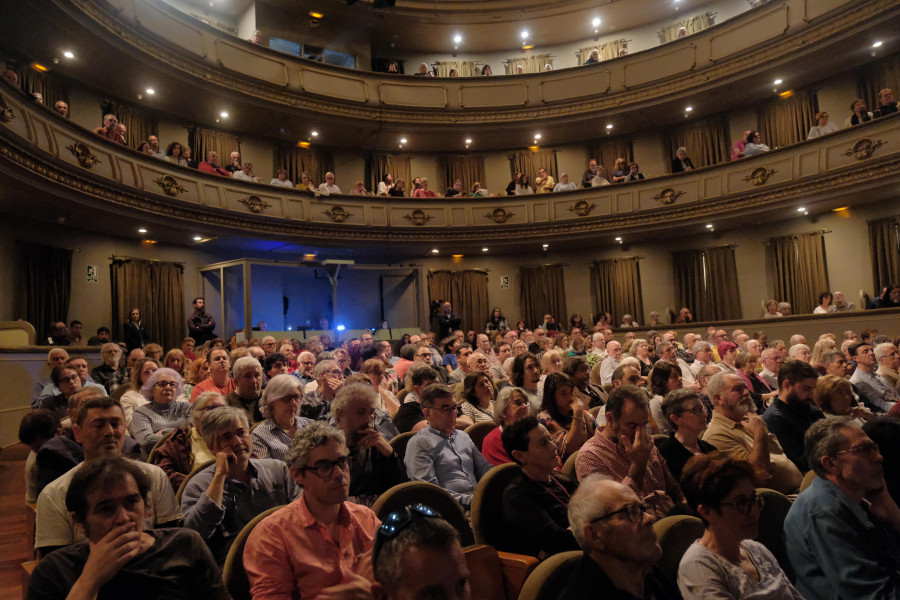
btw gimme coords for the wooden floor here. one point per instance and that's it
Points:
(14, 547)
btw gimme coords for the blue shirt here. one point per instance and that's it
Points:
(839, 549)
(454, 463)
(270, 485)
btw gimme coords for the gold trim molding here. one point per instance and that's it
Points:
(668, 196)
(499, 215)
(6, 112)
(255, 204)
(83, 155)
(337, 214)
(170, 186)
(582, 208)
(760, 176)
(864, 149)
(418, 217)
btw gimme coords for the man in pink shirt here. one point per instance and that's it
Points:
(320, 545)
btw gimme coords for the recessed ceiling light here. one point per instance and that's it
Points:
(402, 140)
(596, 22)
(709, 225)
(434, 250)
(68, 54)
(777, 82)
(142, 230)
(801, 209)
(223, 114)
(537, 136)
(688, 108)
(314, 133)
(545, 246)
(609, 126)
(877, 44)
(524, 35)
(457, 38)
(316, 15)
(618, 239)
(484, 249)
(468, 140)
(198, 238)
(150, 91)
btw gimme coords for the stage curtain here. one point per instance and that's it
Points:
(467, 168)
(543, 291)
(314, 162)
(706, 281)
(605, 151)
(530, 162)
(616, 288)
(466, 291)
(464, 68)
(785, 121)
(44, 286)
(608, 50)
(157, 290)
(692, 25)
(532, 64)
(870, 79)
(884, 249)
(206, 140)
(706, 141)
(139, 124)
(800, 269)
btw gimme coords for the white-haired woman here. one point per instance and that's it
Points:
(164, 412)
(280, 406)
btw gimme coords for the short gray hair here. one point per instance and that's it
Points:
(717, 384)
(215, 421)
(200, 403)
(244, 361)
(824, 438)
(883, 349)
(308, 439)
(796, 348)
(698, 346)
(147, 389)
(673, 401)
(437, 534)
(503, 399)
(349, 393)
(280, 386)
(587, 503)
(324, 365)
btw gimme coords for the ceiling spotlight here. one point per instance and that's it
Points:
(223, 114)
(524, 35)
(537, 136)
(709, 225)
(545, 246)
(314, 133)
(457, 38)
(596, 22)
(402, 140)
(142, 230)
(434, 250)
(618, 239)
(468, 140)
(609, 126)
(198, 238)
(777, 82)
(801, 209)
(688, 108)
(877, 44)
(484, 249)
(150, 91)
(69, 54)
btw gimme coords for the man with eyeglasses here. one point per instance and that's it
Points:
(218, 501)
(793, 411)
(248, 377)
(440, 453)
(615, 530)
(67, 383)
(318, 545)
(877, 395)
(307, 362)
(843, 531)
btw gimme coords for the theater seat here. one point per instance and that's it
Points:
(479, 431)
(771, 526)
(233, 574)
(569, 466)
(497, 575)
(432, 496)
(675, 535)
(807, 480)
(487, 507)
(194, 471)
(399, 443)
(549, 578)
(152, 456)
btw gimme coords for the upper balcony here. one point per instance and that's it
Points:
(363, 109)
(87, 175)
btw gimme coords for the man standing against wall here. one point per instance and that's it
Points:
(200, 324)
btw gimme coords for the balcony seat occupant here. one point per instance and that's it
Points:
(682, 161)
(281, 179)
(754, 145)
(886, 103)
(822, 126)
(211, 165)
(329, 187)
(544, 182)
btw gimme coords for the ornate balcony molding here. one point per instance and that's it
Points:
(33, 153)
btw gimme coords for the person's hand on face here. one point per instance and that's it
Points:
(370, 438)
(112, 552)
(225, 459)
(638, 450)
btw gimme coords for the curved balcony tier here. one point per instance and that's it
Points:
(40, 151)
(720, 68)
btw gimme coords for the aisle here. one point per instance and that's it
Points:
(14, 548)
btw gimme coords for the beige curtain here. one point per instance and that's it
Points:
(467, 168)
(616, 288)
(605, 151)
(608, 50)
(800, 270)
(48, 86)
(692, 25)
(464, 68)
(206, 140)
(870, 80)
(466, 291)
(706, 141)
(157, 290)
(139, 124)
(706, 281)
(785, 121)
(315, 162)
(397, 166)
(543, 291)
(530, 162)
(884, 248)
(532, 64)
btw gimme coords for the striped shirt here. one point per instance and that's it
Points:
(271, 441)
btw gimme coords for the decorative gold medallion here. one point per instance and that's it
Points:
(338, 214)
(83, 154)
(255, 204)
(864, 148)
(169, 185)
(760, 176)
(418, 217)
(582, 208)
(499, 215)
(668, 196)
(6, 113)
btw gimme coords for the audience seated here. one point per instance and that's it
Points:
(793, 411)
(822, 126)
(104, 372)
(319, 543)
(35, 429)
(211, 165)
(280, 407)
(219, 379)
(410, 416)
(218, 501)
(248, 378)
(687, 414)
(476, 397)
(564, 415)
(66, 383)
(754, 145)
(681, 162)
(165, 411)
(858, 113)
(886, 103)
(877, 395)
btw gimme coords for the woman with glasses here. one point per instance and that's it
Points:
(834, 397)
(167, 409)
(822, 126)
(726, 562)
(132, 398)
(511, 405)
(280, 406)
(754, 145)
(684, 410)
(563, 414)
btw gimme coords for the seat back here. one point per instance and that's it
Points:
(550, 577)
(659, 438)
(432, 496)
(196, 469)
(479, 431)
(233, 573)
(399, 443)
(497, 575)
(487, 507)
(569, 466)
(771, 526)
(807, 480)
(675, 535)
(152, 456)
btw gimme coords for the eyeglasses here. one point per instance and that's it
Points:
(634, 512)
(324, 468)
(424, 354)
(865, 450)
(166, 384)
(744, 504)
(396, 522)
(698, 410)
(450, 408)
(71, 379)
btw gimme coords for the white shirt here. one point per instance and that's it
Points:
(329, 189)
(277, 182)
(243, 176)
